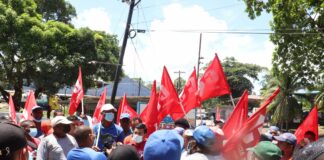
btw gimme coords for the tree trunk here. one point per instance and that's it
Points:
(18, 94)
(5, 94)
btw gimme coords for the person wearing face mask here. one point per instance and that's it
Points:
(30, 132)
(59, 143)
(85, 138)
(37, 114)
(137, 139)
(107, 132)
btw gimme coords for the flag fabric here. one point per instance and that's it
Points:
(29, 104)
(149, 114)
(248, 135)
(188, 97)
(96, 115)
(168, 97)
(124, 107)
(213, 83)
(309, 124)
(77, 94)
(12, 110)
(238, 117)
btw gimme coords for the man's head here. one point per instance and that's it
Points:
(139, 133)
(61, 126)
(135, 121)
(108, 114)
(12, 142)
(125, 121)
(203, 142)
(265, 150)
(187, 137)
(183, 123)
(58, 112)
(274, 130)
(163, 144)
(84, 136)
(311, 136)
(46, 127)
(37, 113)
(75, 122)
(286, 142)
(29, 128)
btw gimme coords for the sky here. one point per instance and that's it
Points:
(172, 33)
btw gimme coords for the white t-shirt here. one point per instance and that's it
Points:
(200, 156)
(54, 148)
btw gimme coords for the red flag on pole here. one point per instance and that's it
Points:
(77, 94)
(237, 117)
(149, 114)
(213, 83)
(96, 115)
(249, 134)
(188, 97)
(12, 110)
(168, 97)
(309, 124)
(29, 104)
(125, 108)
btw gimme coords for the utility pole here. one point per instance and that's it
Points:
(179, 82)
(199, 62)
(132, 4)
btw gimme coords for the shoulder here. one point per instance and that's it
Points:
(94, 155)
(128, 139)
(118, 127)
(77, 153)
(196, 156)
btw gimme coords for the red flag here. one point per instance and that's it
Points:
(248, 136)
(168, 97)
(237, 117)
(309, 124)
(12, 110)
(213, 83)
(125, 108)
(96, 115)
(188, 97)
(149, 115)
(29, 104)
(77, 94)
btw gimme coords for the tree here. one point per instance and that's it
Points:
(57, 10)
(298, 27)
(48, 53)
(239, 76)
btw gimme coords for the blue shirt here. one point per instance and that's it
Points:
(108, 135)
(85, 154)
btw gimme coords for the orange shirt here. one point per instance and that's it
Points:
(139, 146)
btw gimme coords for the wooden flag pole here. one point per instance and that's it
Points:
(82, 112)
(232, 100)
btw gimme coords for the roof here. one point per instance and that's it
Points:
(126, 85)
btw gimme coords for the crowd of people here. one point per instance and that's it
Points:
(76, 138)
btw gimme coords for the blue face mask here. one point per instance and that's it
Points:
(33, 132)
(109, 117)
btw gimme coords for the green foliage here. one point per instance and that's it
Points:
(48, 53)
(57, 10)
(179, 84)
(298, 27)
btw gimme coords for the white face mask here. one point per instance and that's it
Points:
(38, 120)
(137, 138)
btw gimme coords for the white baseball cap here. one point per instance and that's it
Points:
(60, 120)
(108, 107)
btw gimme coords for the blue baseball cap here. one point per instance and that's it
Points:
(273, 129)
(163, 144)
(124, 115)
(286, 137)
(204, 136)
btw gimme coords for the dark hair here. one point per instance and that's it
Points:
(73, 118)
(137, 118)
(57, 110)
(81, 133)
(25, 123)
(141, 126)
(182, 123)
(310, 133)
(124, 152)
